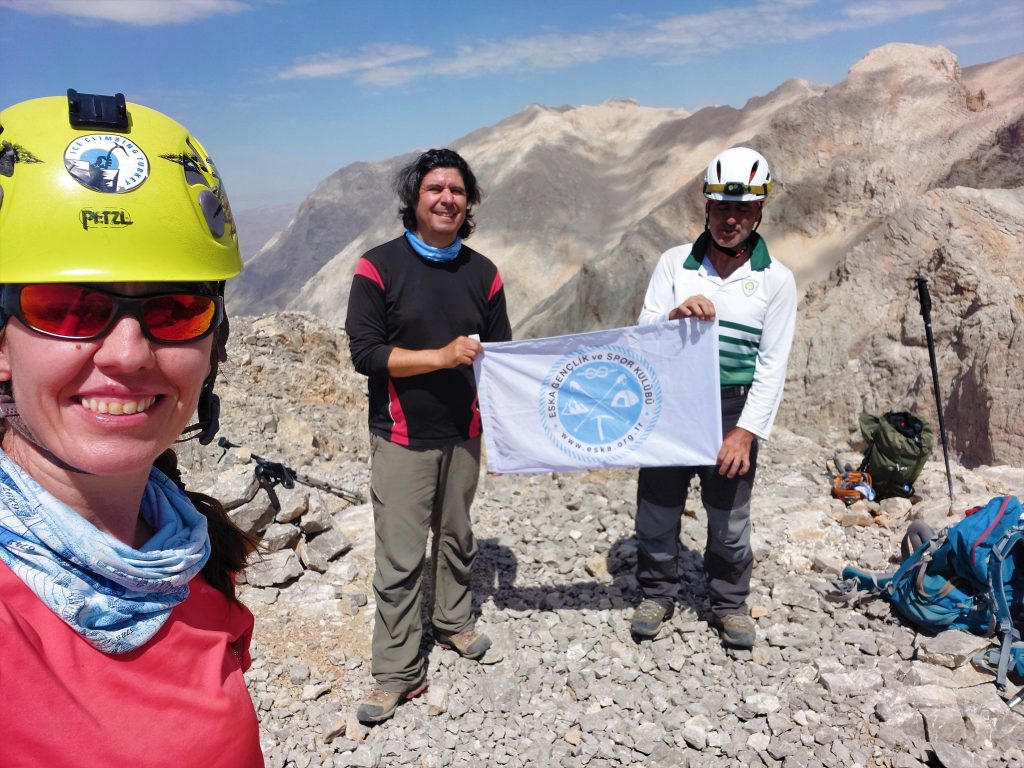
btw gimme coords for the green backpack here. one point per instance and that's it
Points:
(899, 443)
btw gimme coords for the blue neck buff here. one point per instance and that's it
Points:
(432, 253)
(115, 596)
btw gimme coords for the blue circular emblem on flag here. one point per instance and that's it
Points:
(600, 403)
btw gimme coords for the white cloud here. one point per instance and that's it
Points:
(880, 11)
(369, 62)
(142, 13)
(970, 28)
(1005, 18)
(540, 52)
(747, 30)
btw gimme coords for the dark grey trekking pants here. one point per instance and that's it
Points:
(414, 493)
(728, 557)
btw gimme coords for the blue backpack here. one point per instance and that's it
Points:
(969, 577)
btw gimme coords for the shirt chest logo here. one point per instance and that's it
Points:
(749, 287)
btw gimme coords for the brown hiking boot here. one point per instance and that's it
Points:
(737, 630)
(468, 643)
(380, 705)
(648, 618)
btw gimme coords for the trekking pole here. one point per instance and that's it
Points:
(926, 313)
(269, 474)
(1016, 699)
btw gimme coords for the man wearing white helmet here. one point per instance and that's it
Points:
(726, 274)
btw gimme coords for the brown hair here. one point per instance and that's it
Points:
(230, 546)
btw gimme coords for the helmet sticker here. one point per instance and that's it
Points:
(14, 153)
(105, 162)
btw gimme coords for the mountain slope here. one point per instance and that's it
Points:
(870, 173)
(560, 185)
(863, 194)
(341, 207)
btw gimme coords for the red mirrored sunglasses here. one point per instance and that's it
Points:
(84, 313)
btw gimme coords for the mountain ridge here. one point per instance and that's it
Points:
(582, 200)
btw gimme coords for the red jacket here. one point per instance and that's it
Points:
(180, 700)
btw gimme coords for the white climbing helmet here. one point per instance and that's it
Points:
(738, 174)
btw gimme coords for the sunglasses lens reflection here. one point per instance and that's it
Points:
(179, 316)
(66, 310)
(76, 312)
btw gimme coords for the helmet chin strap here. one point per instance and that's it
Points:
(205, 429)
(208, 410)
(208, 424)
(733, 253)
(209, 417)
(9, 412)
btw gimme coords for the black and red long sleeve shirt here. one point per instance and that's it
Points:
(400, 299)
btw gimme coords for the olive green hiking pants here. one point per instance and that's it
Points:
(416, 492)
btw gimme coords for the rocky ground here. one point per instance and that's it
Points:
(828, 684)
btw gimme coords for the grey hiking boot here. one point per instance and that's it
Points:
(380, 705)
(468, 643)
(737, 630)
(648, 618)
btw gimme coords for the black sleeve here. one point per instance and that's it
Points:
(498, 326)
(366, 326)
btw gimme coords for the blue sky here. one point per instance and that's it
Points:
(284, 92)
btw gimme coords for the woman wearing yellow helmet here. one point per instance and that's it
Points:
(120, 632)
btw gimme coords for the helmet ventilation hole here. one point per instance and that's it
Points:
(212, 209)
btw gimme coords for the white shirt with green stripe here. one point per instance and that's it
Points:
(756, 313)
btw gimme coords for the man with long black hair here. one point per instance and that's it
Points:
(419, 309)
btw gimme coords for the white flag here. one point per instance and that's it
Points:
(643, 396)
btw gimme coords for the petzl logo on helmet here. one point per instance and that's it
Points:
(112, 218)
(600, 403)
(106, 163)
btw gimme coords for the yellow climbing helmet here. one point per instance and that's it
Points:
(96, 189)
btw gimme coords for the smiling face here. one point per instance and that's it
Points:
(108, 406)
(731, 223)
(441, 207)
